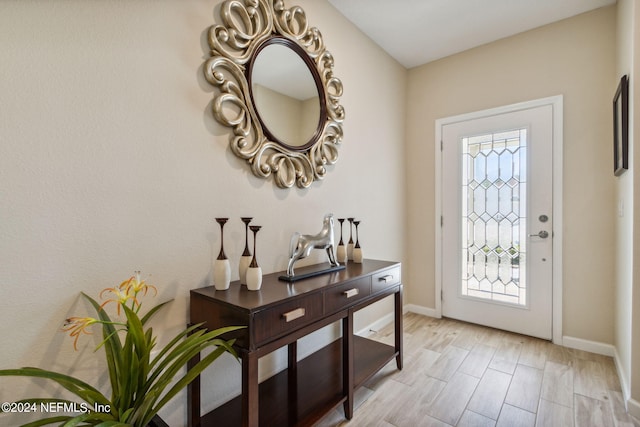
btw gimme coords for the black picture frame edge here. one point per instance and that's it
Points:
(621, 127)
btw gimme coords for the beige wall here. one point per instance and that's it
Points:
(624, 185)
(629, 40)
(574, 58)
(628, 243)
(110, 161)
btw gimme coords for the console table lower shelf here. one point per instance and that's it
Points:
(316, 390)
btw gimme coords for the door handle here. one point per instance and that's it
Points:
(542, 234)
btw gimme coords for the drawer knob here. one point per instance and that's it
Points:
(351, 292)
(386, 279)
(293, 314)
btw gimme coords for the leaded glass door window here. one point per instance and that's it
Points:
(494, 218)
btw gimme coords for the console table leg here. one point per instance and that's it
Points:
(292, 355)
(347, 364)
(292, 378)
(398, 327)
(250, 402)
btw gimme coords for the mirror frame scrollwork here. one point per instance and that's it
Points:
(247, 26)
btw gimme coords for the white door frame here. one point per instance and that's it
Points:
(557, 105)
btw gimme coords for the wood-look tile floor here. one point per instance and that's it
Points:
(459, 374)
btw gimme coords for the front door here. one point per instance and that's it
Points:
(497, 222)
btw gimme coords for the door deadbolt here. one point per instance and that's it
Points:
(543, 218)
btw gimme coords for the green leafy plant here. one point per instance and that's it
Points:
(140, 384)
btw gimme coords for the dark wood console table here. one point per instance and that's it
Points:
(279, 314)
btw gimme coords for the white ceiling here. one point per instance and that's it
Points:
(415, 32)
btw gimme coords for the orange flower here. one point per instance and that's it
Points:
(135, 285)
(77, 325)
(121, 296)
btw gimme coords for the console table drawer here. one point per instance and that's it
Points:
(272, 322)
(347, 294)
(385, 279)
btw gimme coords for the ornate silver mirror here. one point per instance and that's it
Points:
(275, 88)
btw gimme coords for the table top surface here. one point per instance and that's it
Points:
(274, 290)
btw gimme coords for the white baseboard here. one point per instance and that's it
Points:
(590, 346)
(376, 326)
(425, 311)
(633, 407)
(622, 377)
(385, 320)
(571, 342)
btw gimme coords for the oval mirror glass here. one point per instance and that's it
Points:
(285, 96)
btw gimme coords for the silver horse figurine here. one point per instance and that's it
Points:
(301, 244)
